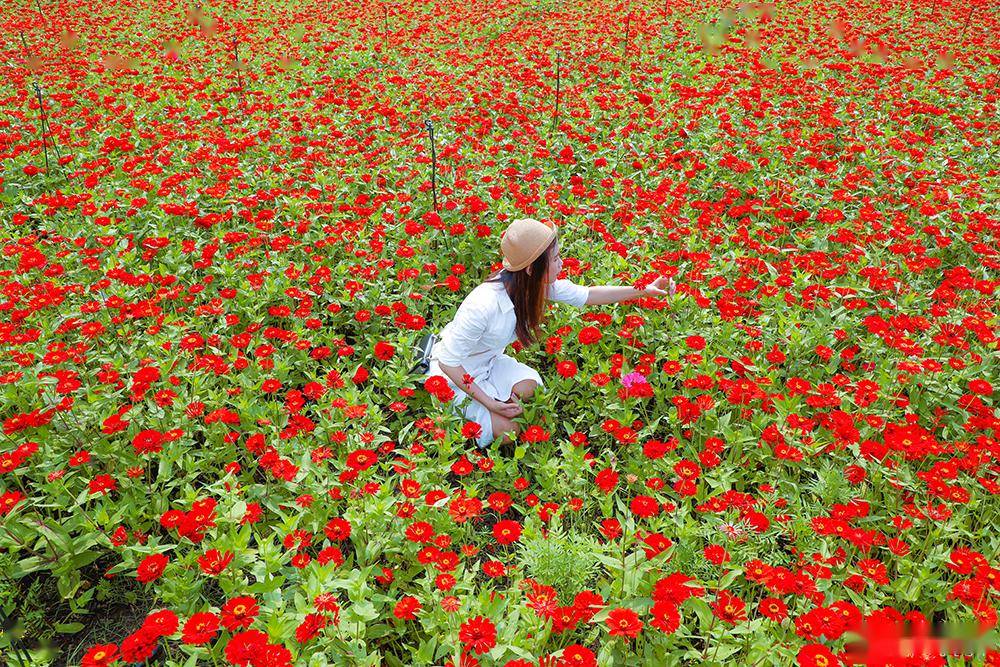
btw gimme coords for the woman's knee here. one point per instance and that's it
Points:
(504, 429)
(525, 389)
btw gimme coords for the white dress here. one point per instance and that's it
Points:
(475, 339)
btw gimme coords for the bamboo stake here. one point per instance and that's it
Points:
(430, 130)
(967, 18)
(45, 122)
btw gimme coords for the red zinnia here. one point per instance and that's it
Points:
(161, 623)
(9, 500)
(478, 634)
(147, 442)
(100, 655)
(623, 622)
(407, 608)
(239, 613)
(245, 646)
(589, 335)
(507, 531)
(138, 646)
(151, 567)
(981, 387)
(576, 655)
(213, 562)
(606, 480)
(729, 608)
(666, 617)
(201, 628)
(773, 608)
(337, 529)
(310, 627)
(816, 655)
(644, 506)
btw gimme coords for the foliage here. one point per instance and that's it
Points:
(220, 246)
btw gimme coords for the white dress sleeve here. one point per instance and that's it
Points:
(460, 337)
(565, 291)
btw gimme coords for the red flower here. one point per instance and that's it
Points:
(606, 480)
(407, 608)
(816, 655)
(100, 655)
(147, 442)
(471, 430)
(384, 351)
(9, 500)
(102, 484)
(666, 617)
(611, 528)
(494, 568)
(586, 604)
(623, 622)
(566, 156)
(420, 532)
(201, 628)
(337, 529)
(273, 655)
(245, 647)
(981, 387)
(138, 646)
(161, 623)
(151, 567)
(239, 613)
(535, 433)
(644, 506)
(310, 627)
(656, 543)
(695, 342)
(576, 655)
(361, 459)
(566, 369)
(716, 554)
(729, 608)
(213, 562)
(773, 608)
(507, 531)
(675, 588)
(589, 335)
(478, 634)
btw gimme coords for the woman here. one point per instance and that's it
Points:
(510, 306)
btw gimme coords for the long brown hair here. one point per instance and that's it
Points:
(527, 293)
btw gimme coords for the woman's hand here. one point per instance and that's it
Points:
(508, 409)
(662, 286)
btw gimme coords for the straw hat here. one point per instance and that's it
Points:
(524, 240)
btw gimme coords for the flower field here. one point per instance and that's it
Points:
(225, 226)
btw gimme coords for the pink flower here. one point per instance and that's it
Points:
(632, 379)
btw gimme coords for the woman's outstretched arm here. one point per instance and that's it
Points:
(604, 294)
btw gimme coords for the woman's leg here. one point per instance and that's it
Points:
(524, 389)
(504, 430)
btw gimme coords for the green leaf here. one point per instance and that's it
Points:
(84, 559)
(27, 566)
(69, 628)
(365, 611)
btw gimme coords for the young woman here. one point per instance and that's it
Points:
(509, 306)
